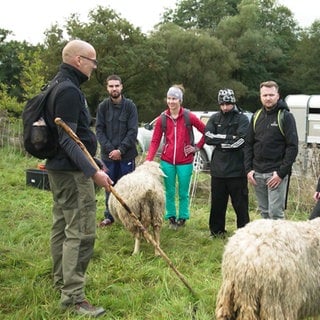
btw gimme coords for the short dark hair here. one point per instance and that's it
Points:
(114, 77)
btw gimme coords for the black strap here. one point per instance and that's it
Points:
(186, 115)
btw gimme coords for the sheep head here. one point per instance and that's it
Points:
(152, 167)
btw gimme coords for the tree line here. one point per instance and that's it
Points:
(203, 44)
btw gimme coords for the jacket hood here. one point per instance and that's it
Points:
(281, 104)
(237, 109)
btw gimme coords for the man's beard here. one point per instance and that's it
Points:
(115, 95)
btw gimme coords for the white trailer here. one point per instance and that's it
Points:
(306, 110)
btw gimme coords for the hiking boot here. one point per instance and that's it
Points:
(86, 309)
(172, 223)
(181, 222)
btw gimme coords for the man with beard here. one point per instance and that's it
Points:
(116, 129)
(270, 151)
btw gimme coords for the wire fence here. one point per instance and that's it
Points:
(11, 134)
(306, 169)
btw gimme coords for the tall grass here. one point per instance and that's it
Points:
(129, 287)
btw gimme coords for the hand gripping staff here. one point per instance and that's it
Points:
(137, 222)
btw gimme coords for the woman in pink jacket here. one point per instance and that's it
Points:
(177, 154)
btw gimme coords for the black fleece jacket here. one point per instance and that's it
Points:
(267, 149)
(69, 103)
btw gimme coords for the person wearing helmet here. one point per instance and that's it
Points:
(226, 131)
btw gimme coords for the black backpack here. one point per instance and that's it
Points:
(40, 136)
(186, 115)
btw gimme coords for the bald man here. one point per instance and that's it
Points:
(72, 177)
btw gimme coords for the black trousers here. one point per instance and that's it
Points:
(221, 189)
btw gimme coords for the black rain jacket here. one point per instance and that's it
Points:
(226, 132)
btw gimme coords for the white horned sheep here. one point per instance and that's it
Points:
(142, 190)
(271, 271)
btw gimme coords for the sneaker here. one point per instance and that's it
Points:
(181, 222)
(86, 309)
(172, 223)
(105, 223)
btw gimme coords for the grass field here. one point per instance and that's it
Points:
(142, 287)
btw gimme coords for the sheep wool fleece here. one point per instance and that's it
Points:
(144, 194)
(270, 270)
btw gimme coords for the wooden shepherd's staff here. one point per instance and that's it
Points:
(146, 234)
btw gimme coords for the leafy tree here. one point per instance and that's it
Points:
(279, 23)
(121, 49)
(198, 61)
(10, 65)
(32, 76)
(203, 44)
(200, 14)
(31, 82)
(4, 34)
(52, 50)
(261, 44)
(9, 106)
(305, 71)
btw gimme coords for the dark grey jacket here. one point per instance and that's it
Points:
(117, 128)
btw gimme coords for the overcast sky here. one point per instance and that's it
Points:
(28, 19)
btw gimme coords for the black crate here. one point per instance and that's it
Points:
(37, 178)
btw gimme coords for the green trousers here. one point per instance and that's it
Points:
(73, 232)
(183, 172)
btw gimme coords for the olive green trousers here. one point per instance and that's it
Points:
(73, 232)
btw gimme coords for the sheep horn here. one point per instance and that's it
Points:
(146, 234)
